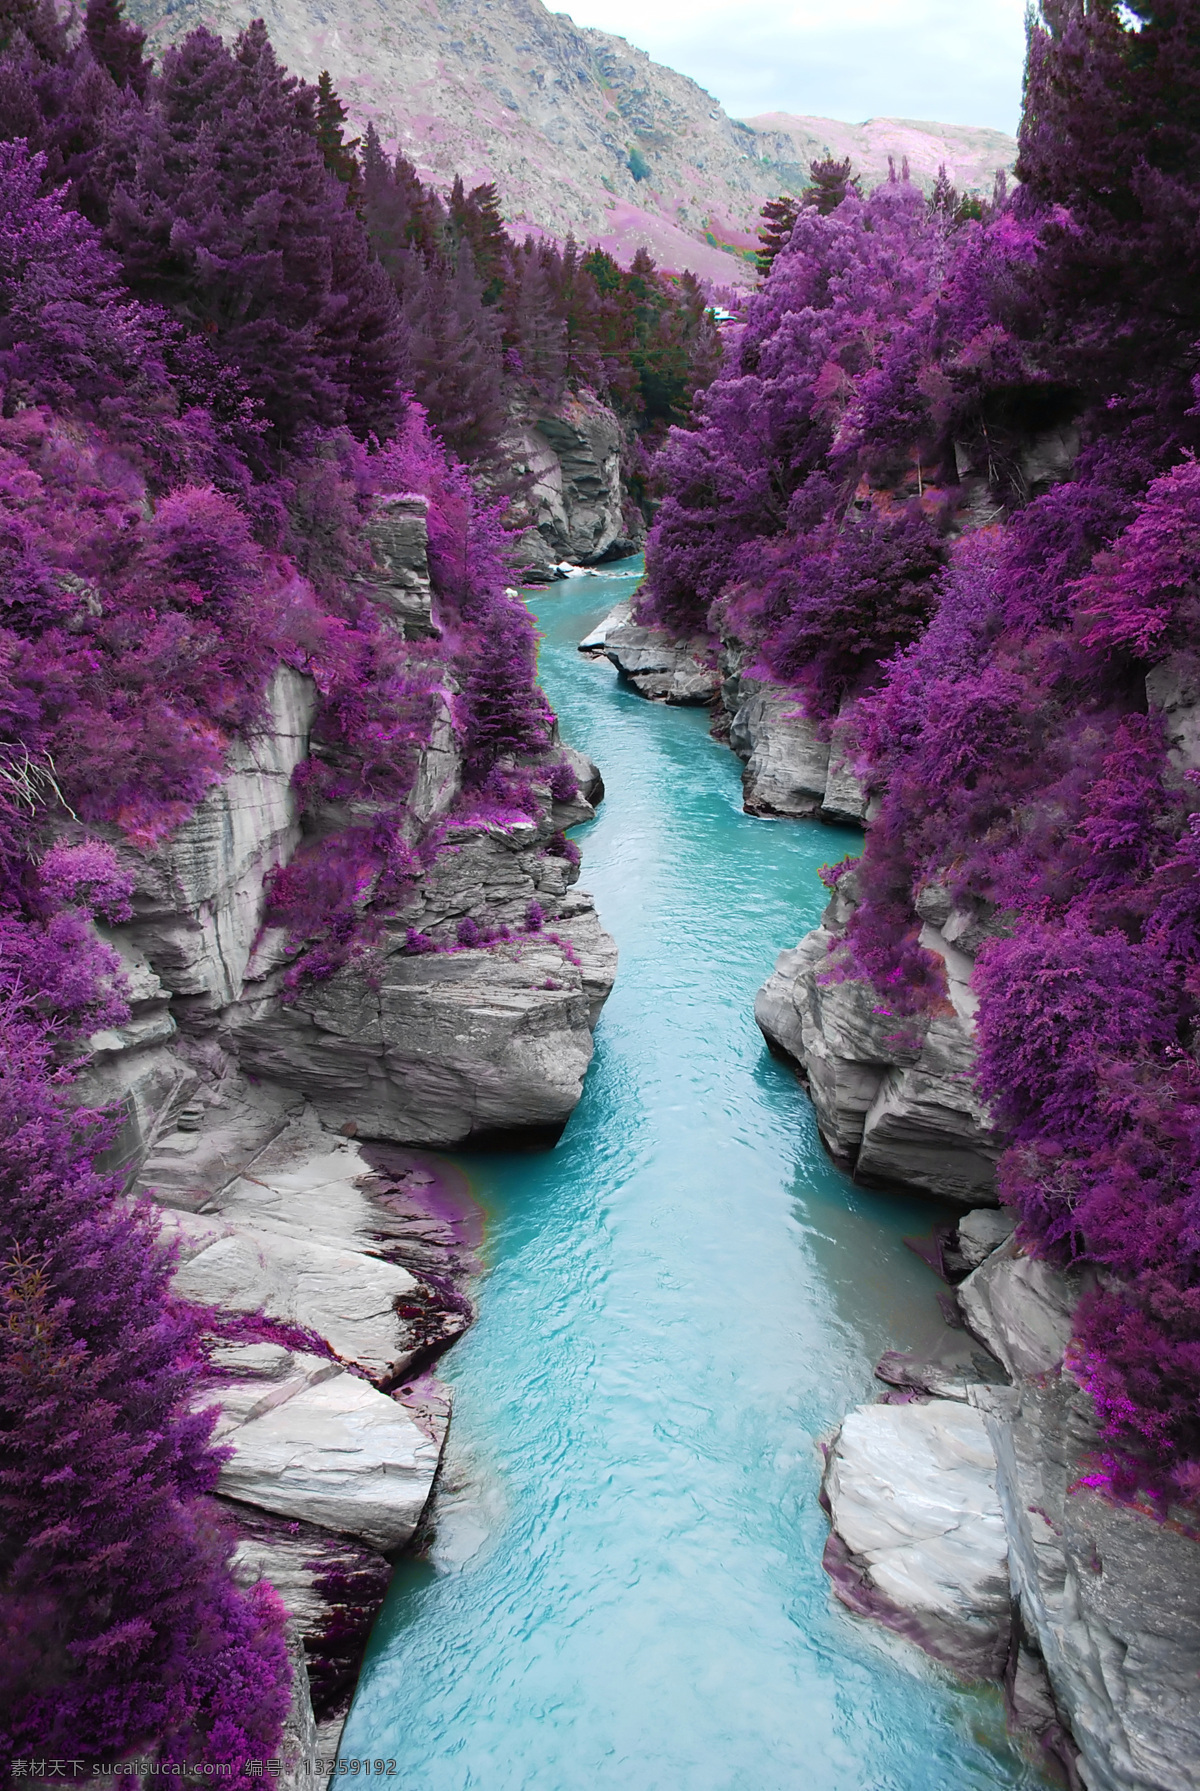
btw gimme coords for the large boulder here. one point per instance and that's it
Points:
(311, 1441)
(436, 1047)
(1104, 1647)
(1021, 1308)
(787, 761)
(912, 1497)
(432, 1049)
(666, 670)
(595, 640)
(373, 1314)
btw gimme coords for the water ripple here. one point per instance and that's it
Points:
(627, 1592)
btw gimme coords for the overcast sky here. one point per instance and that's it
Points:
(953, 61)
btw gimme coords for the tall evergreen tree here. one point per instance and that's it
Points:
(117, 45)
(829, 183)
(474, 218)
(778, 221)
(231, 220)
(339, 155)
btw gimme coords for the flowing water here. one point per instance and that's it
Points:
(626, 1593)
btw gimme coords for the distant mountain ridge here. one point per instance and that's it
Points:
(580, 131)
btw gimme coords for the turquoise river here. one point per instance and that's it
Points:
(626, 1592)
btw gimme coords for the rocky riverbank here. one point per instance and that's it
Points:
(967, 1503)
(968, 1506)
(967, 1515)
(272, 1118)
(794, 766)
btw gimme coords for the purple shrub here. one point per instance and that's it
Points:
(121, 1626)
(907, 374)
(564, 785)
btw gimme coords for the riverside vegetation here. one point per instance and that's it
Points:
(932, 537)
(934, 519)
(234, 549)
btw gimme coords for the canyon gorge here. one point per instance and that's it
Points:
(599, 916)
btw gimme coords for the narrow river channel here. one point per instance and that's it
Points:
(626, 1593)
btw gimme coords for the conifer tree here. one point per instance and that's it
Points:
(117, 45)
(231, 221)
(339, 155)
(778, 221)
(830, 181)
(474, 218)
(454, 355)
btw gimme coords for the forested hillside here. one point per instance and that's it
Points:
(214, 316)
(948, 493)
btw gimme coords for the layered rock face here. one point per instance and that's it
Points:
(963, 1519)
(794, 766)
(665, 670)
(267, 1121)
(894, 1097)
(563, 470)
(440, 1048)
(330, 1281)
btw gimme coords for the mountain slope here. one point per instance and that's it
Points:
(560, 118)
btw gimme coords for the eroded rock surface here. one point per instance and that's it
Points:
(1173, 690)
(312, 1441)
(568, 498)
(894, 1096)
(330, 1264)
(1102, 1656)
(438, 1047)
(665, 670)
(794, 765)
(912, 1495)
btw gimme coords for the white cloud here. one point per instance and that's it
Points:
(954, 61)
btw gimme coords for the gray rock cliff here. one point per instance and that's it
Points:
(894, 1095)
(562, 473)
(255, 1112)
(794, 766)
(1087, 1608)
